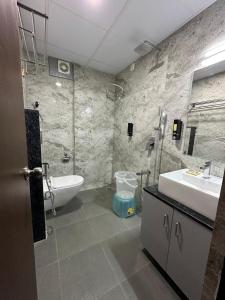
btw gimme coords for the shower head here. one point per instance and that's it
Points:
(118, 86)
(117, 92)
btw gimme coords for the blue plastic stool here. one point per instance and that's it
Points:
(123, 207)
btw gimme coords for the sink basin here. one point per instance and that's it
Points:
(196, 192)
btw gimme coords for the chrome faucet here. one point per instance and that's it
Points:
(206, 169)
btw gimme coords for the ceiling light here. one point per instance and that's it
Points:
(95, 3)
(215, 49)
(213, 59)
(59, 84)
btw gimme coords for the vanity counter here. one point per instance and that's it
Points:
(153, 190)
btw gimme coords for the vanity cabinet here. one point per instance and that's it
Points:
(156, 228)
(188, 254)
(178, 243)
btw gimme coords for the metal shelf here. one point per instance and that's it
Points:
(206, 105)
(24, 32)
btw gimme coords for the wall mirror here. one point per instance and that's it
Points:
(205, 130)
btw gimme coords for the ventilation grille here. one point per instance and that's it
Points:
(144, 48)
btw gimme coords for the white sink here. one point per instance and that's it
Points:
(196, 192)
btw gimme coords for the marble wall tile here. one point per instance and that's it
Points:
(56, 110)
(94, 121)
(78, 119)
(164, 79)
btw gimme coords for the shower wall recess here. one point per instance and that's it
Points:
(77, 119)
(94, 121)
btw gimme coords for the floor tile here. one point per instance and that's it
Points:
(90, 195)
(107, 193)
(66, 218)
(48, 282)
(45, 251)
(148, 284)
(74, 238)
(125, 255)
(114, 294)
(132, 222)
(86, 275)
(107, 226)
(94, 194)
(97, 208)
(97, 250)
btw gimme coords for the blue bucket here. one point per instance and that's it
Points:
(124, 207)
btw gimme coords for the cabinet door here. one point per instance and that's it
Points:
(156, 228)
(188, 254)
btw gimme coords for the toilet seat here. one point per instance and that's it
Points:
(66, 181)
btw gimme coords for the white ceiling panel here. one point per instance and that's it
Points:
(103, 34)
(117, 51)
(154, 20)
(197, 5)
(73, 33)
(101, 12)
(97, 65)
(67, 55)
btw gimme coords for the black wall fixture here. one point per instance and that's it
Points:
(191, 139)
(177, 129)
(130, 129)
(35, 183)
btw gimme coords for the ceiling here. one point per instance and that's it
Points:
(102, 34)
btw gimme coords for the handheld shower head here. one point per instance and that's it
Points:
(162, 123)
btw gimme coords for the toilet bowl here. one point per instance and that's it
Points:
(64, 189)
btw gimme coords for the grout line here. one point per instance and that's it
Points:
(112, 269)
(120, 282)
(123, 291)
(96, 243)
(70, 11)
(107, 32)
(58, 264)
(69, 224)
(86, 219)
(74, 122)
(47, 265)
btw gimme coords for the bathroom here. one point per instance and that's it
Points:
(105, 87)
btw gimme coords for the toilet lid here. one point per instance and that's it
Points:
(66, 181)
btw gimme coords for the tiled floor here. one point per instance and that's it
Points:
(94, 255)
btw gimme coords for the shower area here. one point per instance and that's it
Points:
(79, 114)
(86, 242)
(87, 253)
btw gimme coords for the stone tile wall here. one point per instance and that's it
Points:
(76, 118)
(164, 79)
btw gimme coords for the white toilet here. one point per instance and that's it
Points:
(64, 189)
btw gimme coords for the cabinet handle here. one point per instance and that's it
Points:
(165, 221)
(177, 229)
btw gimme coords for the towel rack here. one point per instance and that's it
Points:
(206, 105)
(26, 57)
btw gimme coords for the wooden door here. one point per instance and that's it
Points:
(17, 268)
